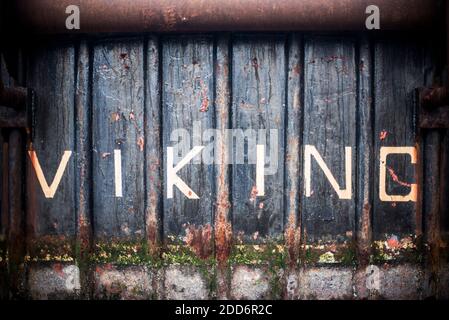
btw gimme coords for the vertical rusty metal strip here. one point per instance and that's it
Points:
(4, 215)
(83, 176)
(223, 227)
(431, 193)
(153, 147)
(365, 149)
(292, 221)
(16, 236)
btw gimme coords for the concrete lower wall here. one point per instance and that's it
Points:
(405, 281)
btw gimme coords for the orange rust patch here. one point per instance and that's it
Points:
(115, 116)
(141, 143)
(204, 98)
(223, 238)
(199, 239)
(292, 236)
(57, 267)
(383, 135)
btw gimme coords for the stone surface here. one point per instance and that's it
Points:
(401, 282)
(129, 283)
(326, 283)
(185, 283)
(55, 281)
(249, 283)
(292, 286)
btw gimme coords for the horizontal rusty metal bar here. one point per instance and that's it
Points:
(13, 97)
(433, 108)
(434, 97)
(112, 16)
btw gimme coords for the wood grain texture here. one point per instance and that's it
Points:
(187, 102)
(118, 124)
(401, 66)
(52, 75)
(330, 110)
(258, 102)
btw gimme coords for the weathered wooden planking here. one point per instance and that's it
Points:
(401, 66)
(187, 102)
(258, 102)
(330, 111)
(52, 75)
(118, 124)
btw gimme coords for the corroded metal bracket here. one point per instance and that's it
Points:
(433, 108)
(16, 108)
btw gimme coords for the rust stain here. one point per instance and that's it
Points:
(115, 116)
(223, 237)
(292, 236)
(395, 178)
(170, 17)
(199, 239)
(297, 69)
(141, 143)
(204, 98)
(383, 135)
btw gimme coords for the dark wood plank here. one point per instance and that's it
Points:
(330, 126)
(52, 75)
(118, 124)
(187, 97)
(401, 66)
(258, 102)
